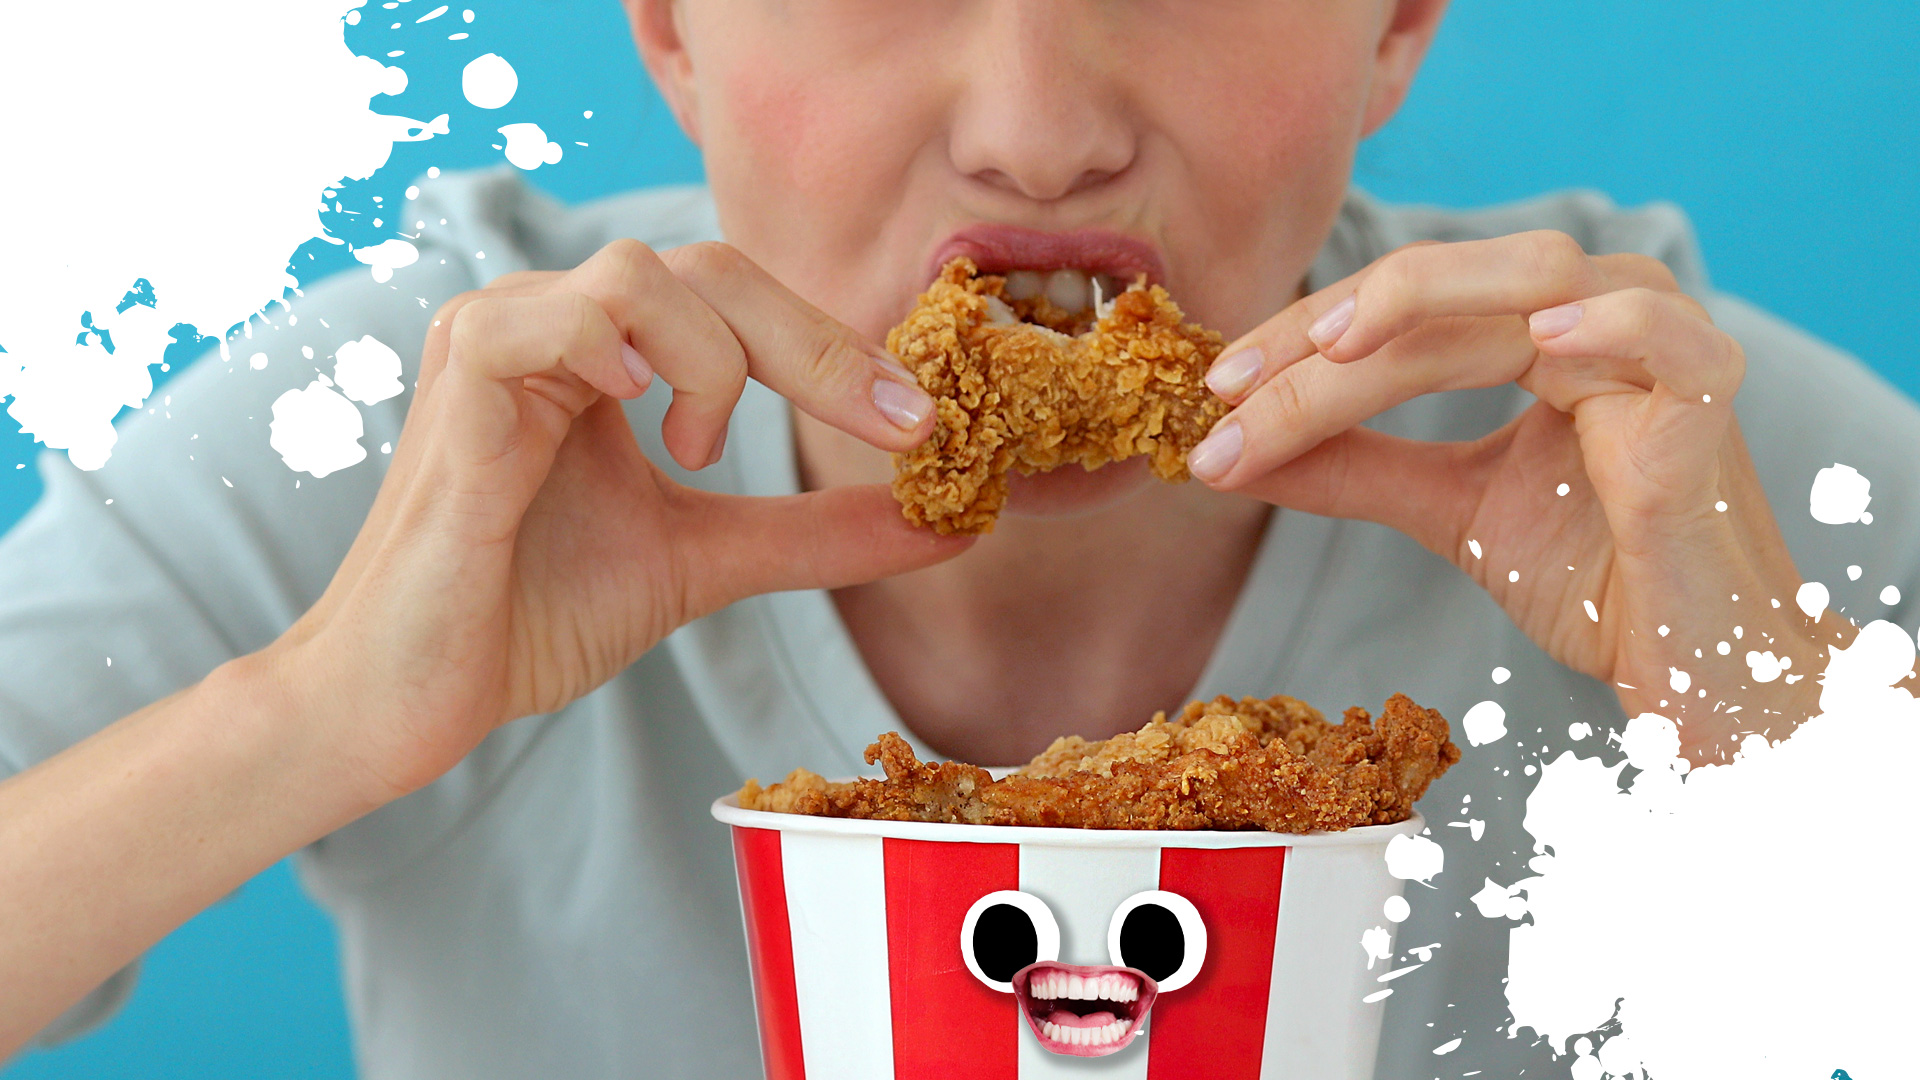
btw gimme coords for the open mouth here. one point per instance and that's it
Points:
(1084, 1011)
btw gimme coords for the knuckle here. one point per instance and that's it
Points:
(1733, 358)
(826, 359)
(1555, 255)
(1648, 270)
(470, 325)
(706, 259)
(628, 262)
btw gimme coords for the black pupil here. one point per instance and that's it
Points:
(1151, 940)
(1004, 941)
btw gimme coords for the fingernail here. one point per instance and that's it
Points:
(1217, 453)
(719, 448)
(1331, 324)
(904, 405)
(637, 367)
(1556, 320)
(1233, 375)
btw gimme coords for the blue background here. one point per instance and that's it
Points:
(1789, 131)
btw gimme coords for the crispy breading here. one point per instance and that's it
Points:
(1023, 396)
(1224, 764)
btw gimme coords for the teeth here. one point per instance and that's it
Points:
(1023, 285)
(1059, 985)
(1076, 1036)
(1070, 290)
(998, 312)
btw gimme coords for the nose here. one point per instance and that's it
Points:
(1042, 110)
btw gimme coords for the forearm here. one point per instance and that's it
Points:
(108, 846)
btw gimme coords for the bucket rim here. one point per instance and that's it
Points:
(727, 810)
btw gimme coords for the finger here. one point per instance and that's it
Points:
(813, 360)
(1669, 334)
(679, 336)
(1507, 275)
(559, 348)
(1281, 341)
(735, 546)
(1295, 334)
(1316, 399)
(1679, 426)
(1418, 488)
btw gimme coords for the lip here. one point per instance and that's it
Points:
(996, 249)
(1133, 1012)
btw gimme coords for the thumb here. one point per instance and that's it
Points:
(1425, 490)
(736, 546)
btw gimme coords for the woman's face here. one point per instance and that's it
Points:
(853, 145)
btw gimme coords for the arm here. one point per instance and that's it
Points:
(128, 834)
(521, 551)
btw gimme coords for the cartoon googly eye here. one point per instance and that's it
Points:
(1005, 931)
(1161, 934)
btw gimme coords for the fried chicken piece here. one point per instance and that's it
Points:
(1013, 391)
(1224, 764)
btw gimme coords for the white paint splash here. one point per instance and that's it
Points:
(286, 95)
(528, 147)
(316, 431)
(1485, 723)
(1415, 858)
(1377, 943)
(387, 256)
(367, 370)
(1812, 598)
(1840, 496)
(1767, 667)
(1396, 909)
(488, 81)
(1712, 903)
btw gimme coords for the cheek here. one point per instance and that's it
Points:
(1262, 140)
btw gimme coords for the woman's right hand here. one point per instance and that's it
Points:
(522, 551)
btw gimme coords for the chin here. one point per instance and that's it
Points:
(1072, 491)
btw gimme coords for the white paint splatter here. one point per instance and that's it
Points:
(1592, 614)
(1497, 901)
(1679, 680)
(367, 370)
(287, 89)
(1454, 1044)
(1484, 723)
(258, 361)
(1812, 599)
(1501, 675)
(1415, 858)
(488, 81)
(1474, 546)
(1766, 666)
(1840, 496)
(1890, 595)
(316, 431)
(1397, 909)
(1695, 943)
(1853, 573)
(1378, 944)
(528, 148)
(1579, 730)
(386, 257)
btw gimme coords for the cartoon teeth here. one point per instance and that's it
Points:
(1085, 1036)
(1058, 985)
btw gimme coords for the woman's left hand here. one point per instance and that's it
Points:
(1618, 520)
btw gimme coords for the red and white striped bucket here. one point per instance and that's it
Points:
(919, 951)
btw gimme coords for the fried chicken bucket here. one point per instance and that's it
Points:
(993, 952)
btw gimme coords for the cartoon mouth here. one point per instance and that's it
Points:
(1084, 1011)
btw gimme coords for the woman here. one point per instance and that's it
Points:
(489, 691)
